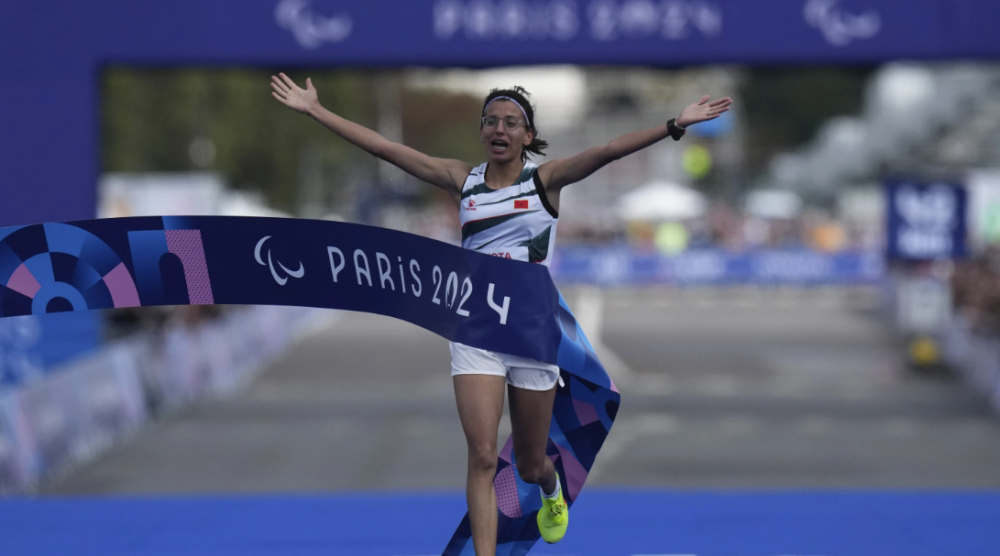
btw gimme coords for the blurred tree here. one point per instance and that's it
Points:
(151, 117)
(443, 124)
(786, 106)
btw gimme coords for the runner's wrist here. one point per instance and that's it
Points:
(675, 130)
(315, 110)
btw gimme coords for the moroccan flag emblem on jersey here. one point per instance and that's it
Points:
(521, 204)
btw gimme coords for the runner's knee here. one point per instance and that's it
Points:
(483, 458)
(531, 469)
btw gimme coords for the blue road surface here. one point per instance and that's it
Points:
(604, 523)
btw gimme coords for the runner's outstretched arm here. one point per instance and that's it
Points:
(444, 173)
(559, 173)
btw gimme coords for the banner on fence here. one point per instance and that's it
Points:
(925, 221)
(611, 266)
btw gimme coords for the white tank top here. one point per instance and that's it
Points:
(515, 222)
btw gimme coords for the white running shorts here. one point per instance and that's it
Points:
(520, 372)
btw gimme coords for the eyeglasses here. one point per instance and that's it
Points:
(510, 123)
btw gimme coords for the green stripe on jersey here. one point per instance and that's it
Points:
(538, 246)
(476, 226)
(485, 244)
(476, 190)
(526, 175)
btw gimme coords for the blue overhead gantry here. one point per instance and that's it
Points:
(52, 53)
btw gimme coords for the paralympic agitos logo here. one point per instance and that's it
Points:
(281, 280)
(309, 27)
(838, 26)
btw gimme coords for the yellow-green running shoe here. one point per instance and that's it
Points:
(553, 517)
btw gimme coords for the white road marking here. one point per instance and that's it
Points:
(590, 314)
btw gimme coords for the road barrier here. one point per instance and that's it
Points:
(70, 416)
(614, 265)
(975, 356)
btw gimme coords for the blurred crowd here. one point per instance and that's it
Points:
(730, 229)
(975, 287)
(722, 226)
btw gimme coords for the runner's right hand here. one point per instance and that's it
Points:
(293, 96)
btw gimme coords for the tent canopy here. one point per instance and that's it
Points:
(662, 200)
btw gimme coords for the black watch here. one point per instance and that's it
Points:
(675, 131)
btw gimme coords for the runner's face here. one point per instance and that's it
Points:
(502, 144)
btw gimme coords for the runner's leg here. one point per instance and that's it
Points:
(480, 407)
(530, 417)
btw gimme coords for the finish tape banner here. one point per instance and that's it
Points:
(467, 297)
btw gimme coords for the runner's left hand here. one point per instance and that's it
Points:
(703, 111)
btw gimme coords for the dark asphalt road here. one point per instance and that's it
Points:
(721, 389)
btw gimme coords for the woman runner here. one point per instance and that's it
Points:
(509, 207)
